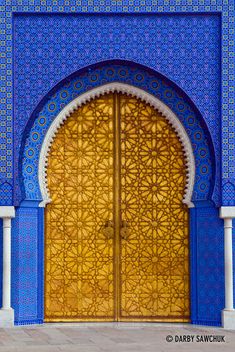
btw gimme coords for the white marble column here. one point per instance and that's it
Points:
(228, 313)
(6, 312)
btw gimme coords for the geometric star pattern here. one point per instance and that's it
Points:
(79, 267)
(154, 257)
(153, 274)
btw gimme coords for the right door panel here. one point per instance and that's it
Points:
(154, 258)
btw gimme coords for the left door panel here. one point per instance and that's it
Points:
(78, 247)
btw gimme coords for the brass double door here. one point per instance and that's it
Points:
(116, 246)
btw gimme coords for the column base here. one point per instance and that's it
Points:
(228, 319)
(6, 318)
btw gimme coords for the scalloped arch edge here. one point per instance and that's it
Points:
(130, 90)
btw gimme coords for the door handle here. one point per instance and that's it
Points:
(125, 230)
(108, 229)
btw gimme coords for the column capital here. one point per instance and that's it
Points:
(227, 212)
(7, 212)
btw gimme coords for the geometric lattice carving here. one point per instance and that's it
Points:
(154, 258)
(153, 277)
(79, 269)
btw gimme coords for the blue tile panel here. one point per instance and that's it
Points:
(27, 265)
(207, 266)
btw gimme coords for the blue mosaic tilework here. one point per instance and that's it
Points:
(136, 76)
(228, 191)
(6, 192)
(207, 266)
(26, 266)
(185, 48)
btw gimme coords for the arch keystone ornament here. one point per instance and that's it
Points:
(131, 91)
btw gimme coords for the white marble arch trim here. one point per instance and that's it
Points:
(130, 90)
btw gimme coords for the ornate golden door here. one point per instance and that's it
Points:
(116, 230)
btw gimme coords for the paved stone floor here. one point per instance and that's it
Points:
(113, 337)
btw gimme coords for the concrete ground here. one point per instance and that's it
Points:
(112, 337)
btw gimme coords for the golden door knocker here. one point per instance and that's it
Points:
(108, 229)
(125, 230)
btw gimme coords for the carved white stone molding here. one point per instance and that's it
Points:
(130, 90)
